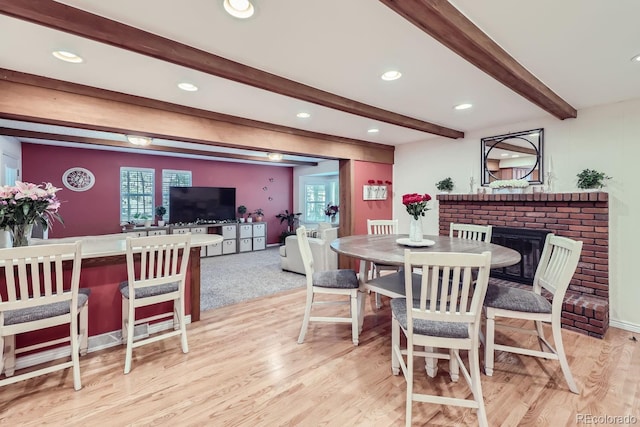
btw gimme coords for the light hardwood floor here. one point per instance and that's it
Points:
(245, 368)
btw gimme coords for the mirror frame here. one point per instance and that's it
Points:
(488, 143)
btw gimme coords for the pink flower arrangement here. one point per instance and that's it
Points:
(331, 210)
(26, 203)
(371, 181)
(416, 204)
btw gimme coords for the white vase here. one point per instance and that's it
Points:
(415, 230)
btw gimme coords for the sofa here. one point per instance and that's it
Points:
(323, 257)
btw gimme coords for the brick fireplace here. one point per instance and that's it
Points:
(580, 216)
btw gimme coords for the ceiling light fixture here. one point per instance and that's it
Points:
(274, 156)
(189, 87)
(67, 56)
(303, 115)
(242, 9)
(463, 106)
(635, 58)
(391, 75)
(373, 130)
(139, 140)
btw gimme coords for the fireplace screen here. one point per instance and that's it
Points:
(529, 243)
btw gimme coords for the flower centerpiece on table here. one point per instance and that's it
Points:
(25, 204)
(416, 205)
(331, 211)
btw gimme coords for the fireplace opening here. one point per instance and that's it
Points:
(529, 243)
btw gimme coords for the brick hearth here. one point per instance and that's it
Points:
(580, 216)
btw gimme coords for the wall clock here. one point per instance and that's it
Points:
(78, 179)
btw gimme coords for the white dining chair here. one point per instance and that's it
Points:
(156, 273)
(481, 233)
(377, 227)
(558, 262)
(341, 282)
(443, 313)
(48, 298)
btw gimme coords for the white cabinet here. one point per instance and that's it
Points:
(198, 230)
(157, 232)
(229, 231)
(229, 246)
(245, 245)
(180, 230)
(259, 243)
(136, 233)
(246, 231)
(260, 230)
(215, 249)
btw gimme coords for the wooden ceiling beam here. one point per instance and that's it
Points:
(84, 24)
(442, 21)
(44, 136)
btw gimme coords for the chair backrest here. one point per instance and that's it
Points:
(157, 260)
(305, 254)
(382, 226)
(34, 276)
(471, 232)
(449, 290)
(558, 262)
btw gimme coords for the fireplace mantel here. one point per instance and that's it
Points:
(581, 215)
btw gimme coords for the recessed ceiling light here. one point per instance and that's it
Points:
(636, 58)
(373, 130)
(67, 56)
(504, 154)
(139, 140)
(189, 87)
(515, 155)
(391, 75)
(303, 115)
(242, 9)
(463, 106)
(274, 156)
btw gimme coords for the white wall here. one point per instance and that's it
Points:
(10, 146)
(605, 138)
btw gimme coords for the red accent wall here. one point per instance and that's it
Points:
(371, 209)
(97, 211)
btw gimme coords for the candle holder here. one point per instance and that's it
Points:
(472, 182)
(549, 181)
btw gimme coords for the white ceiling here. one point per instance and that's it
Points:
(581, 49)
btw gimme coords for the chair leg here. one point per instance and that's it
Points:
(355, 316)
(489, 343)
(9, 355)
(430, 363)
(395, 343)
(540, 331)
(476, 386)
(361, 302)
(84, 329)
(454, 367)
(131, 316)
(183, 326)
(75, 353)
(562, 358)
(307, 315)
(125, 319)
(409, 378)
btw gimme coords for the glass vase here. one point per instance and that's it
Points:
(415, 230)
(21, 234)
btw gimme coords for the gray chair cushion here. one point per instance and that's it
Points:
(341, 279)
(24, 315)
(508, 298)
(149, 291)
(428, 327)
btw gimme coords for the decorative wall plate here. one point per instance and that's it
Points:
(78, 179)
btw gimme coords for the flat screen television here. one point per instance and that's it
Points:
(201, 204)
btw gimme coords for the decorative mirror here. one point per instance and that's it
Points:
(513, 156)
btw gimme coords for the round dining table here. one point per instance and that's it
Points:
(385, 249)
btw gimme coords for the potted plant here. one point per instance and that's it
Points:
(259, 213)
(289, 217)
(242, 209)
(445, 186)
(591, 179)
(160, 212)
(142, 218)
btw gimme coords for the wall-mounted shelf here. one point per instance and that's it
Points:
(374, 192)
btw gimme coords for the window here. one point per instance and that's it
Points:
(173, 178)
(318, 193)
(136, 193)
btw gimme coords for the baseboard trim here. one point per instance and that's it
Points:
(96, 342)
(627, 326)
